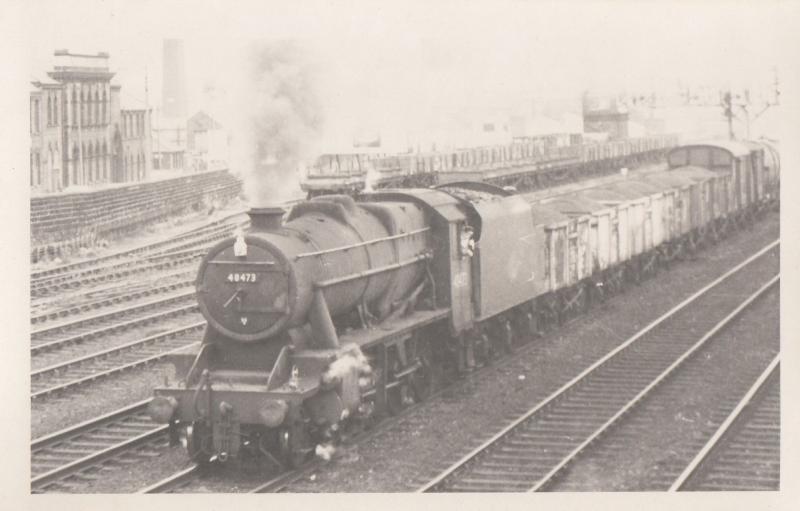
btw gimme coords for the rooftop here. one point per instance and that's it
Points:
(79, 65)
(736, 148)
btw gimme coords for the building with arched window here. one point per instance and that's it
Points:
(137, 140)
(76, 113)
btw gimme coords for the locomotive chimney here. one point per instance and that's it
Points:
(266, 219)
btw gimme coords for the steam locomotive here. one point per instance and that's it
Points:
(345, 309)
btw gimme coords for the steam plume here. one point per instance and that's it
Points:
(281, 119)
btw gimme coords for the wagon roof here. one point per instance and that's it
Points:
(544, 214)
(671, 178)
(693, 172)
(645, 186)
(575, 204)
(635, 188)
(612, 193)
(737, 149)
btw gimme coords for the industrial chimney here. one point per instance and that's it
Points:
(173, 95)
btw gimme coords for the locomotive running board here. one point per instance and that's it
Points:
(366, 338)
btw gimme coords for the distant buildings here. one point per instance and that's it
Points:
(169, 146)
(605, 114)
(206, 142)
(79, 134)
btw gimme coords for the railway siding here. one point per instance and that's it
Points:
(528, 454)
(744, 454)
(88, 368)
(652, 445)
(70, 456)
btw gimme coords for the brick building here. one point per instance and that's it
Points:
(79, 134)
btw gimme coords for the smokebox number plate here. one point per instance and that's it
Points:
(242, 277)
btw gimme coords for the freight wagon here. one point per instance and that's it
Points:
(350, 308)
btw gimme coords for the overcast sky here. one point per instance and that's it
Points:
(413, 57)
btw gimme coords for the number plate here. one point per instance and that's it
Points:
(242, 277)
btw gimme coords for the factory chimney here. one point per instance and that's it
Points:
(173, 95)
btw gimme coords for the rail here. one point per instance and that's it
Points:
(693, 467)
(438, 482)
(81, 457)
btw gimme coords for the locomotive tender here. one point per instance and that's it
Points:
(346, 308)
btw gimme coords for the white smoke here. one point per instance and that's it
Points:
(281, 119)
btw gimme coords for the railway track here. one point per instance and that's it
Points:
(68, 458)
(55, 337)
(194, 480)
(145, 266)
(110, 295)
(76, 346)
(178, 255)
(69, 374)
(175, 482)
(530, 452)
(744, 453)
(172, 243)
(651, 446)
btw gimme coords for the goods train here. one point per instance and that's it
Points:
(527, 163)
(345, 309)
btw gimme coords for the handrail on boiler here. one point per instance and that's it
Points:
(374, 271)
(362, 244)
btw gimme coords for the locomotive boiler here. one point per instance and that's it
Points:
(330, 257)
(271, 366)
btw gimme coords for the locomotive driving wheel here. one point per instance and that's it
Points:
(531, 325)
(293, 446)
(423, 380)
(504, 337)
(397, 391)
(398, 398)
(199, 442)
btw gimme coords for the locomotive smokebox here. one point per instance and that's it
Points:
(268, 218)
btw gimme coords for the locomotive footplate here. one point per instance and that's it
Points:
(242, 405)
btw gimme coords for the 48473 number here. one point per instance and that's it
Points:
(242, 277)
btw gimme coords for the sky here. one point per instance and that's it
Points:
(428, 54)
(400, 68)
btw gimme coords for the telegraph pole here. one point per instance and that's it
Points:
(148, 135)
(744, 104)
(770, 103)
(728, 107)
